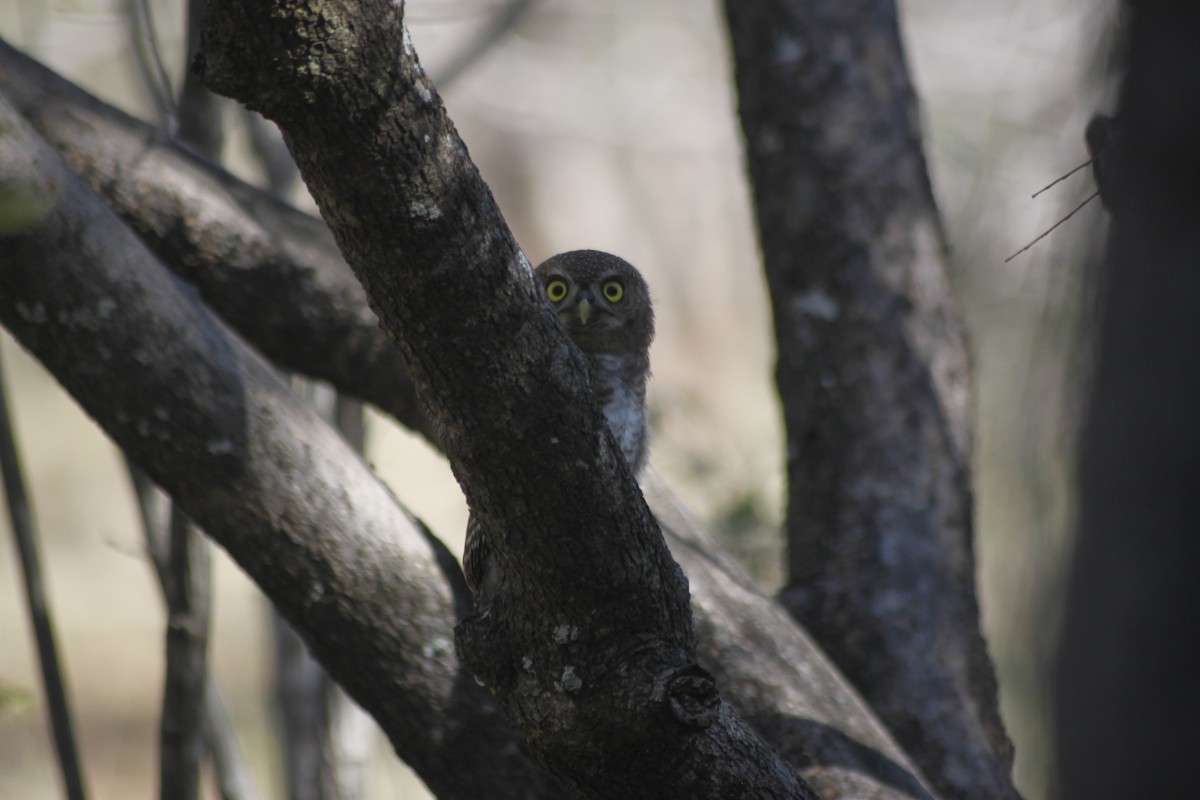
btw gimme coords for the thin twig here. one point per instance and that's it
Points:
(200, 113)
(1062, 178)
(155, 513)
(191, 701)
(233, 778)
(1046, 233)
(21, 515)
(232, 775)
(149, 61)
(181, 734)
(267, 143)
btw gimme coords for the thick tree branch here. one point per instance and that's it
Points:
(873, 376)
(235, 243)
(590, 650)
(777, 677)
(363, 582)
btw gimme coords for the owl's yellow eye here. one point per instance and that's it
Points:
(613, 291)
(556, 290)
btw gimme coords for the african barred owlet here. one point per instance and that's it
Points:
(603, 304)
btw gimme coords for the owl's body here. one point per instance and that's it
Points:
(603, 304)
(622, 397)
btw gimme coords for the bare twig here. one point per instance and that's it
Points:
(181, 557)
(229, 765)
(182, 726)
(267, 143)
(1097, 155)
(149, 61)
(299, 701)
(25, 535)
(1062, 178)
(232, 776)
(154, 511)
(348, 745)
(1047, 232)
(200, 116)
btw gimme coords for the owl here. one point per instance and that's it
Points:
(603, 304)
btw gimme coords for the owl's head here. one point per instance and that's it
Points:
(602, 301)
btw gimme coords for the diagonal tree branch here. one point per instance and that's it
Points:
(237, 244)
(206, 418)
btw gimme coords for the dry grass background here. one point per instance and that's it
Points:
(614, 126)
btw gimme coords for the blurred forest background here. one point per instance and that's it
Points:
(614, 126)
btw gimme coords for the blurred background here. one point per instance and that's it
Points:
(614, 126)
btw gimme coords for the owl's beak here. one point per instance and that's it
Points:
(585, 310)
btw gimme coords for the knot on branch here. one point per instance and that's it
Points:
(692, 696)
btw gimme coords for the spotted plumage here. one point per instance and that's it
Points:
(603, 304)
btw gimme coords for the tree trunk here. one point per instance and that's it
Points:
(1126, 694)
(873, 375)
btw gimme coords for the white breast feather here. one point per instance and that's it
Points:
(623, 410)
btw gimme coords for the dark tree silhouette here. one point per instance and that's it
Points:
(1126, 693)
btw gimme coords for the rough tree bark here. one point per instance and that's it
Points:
(192, 215)
(873, 374)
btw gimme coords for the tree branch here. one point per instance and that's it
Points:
(873, 375)
(777, 677)
(207, 419)
(238, 245)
